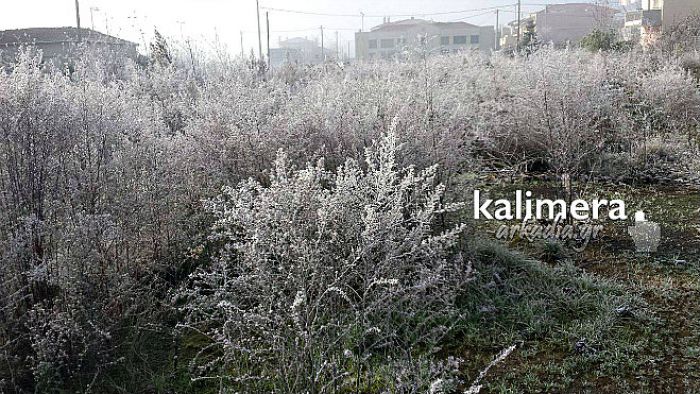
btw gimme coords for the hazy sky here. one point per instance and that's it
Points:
(204, 20)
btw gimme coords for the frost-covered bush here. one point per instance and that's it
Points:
(322, 276)
(566, 111)
(103, 168)
(87, 217)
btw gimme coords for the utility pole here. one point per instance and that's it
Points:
(77, 13)
(77, 20)
(242, 51)
(182, 30)
(92, 16)
(323, 49)
(337, 44)
(269, 59)
(260, 52)
(498, 31)
(517, 45)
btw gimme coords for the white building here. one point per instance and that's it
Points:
(300, 50)
(393, 38)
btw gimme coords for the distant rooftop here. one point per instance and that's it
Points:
(577, 7)
(56, 35)
(298, 40)
(402, 24)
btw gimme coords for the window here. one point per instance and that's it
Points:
(475, 39)
(372, 44)
(444, 40)
(457, 40)
(387, 43)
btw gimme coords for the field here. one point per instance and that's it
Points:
(212, 226)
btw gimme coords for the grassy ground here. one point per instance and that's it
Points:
(604, 320)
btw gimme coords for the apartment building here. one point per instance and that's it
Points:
(642, 26)
(645, 25)
(674, 11)
(562, 24)
(300, 50)
(392, 39)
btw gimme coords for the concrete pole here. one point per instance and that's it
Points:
(77, 20)
(323, 49)
(269, 60)
(260, 52)
(242, 52)
(498, 32)
(517, 44)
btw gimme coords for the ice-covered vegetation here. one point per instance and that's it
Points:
(283, 231)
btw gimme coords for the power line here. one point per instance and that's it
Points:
(473, 16)
(311, 29)
(360, 15)
(308, 12)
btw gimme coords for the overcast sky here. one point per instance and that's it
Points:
(204, 20)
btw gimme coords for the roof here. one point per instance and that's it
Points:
(403, 24)
(52, 35)
(576, 7)
(298, 40)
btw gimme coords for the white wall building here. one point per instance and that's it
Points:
(393, 38)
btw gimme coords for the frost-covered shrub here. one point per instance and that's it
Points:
(672, 101)
(87, 216)
(322, 275)
(103, 170)
(566, 111)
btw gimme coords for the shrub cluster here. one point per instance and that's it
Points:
(103, 171)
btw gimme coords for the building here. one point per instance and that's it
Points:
(631, 5)
(393, 38)
(508, 37)
(567, 24)
(642, 26)
(674, 11)
(62, 45)
(646, 25)
(300, 50)
(636, 5)
(562, 24)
